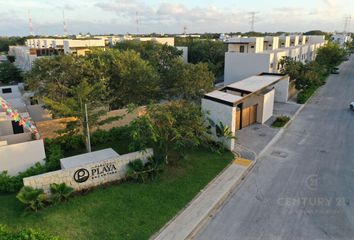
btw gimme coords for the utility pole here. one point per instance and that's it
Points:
(347, 20)
(30, 25)
(252, 19)
(137, 22)
(65, 25)
(88, 131)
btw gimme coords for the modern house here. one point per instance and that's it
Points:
(247, 56)
(246, 102)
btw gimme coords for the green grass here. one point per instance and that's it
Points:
(122, 211)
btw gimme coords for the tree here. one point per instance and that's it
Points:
(9, 73)
(131, 80)
(173, 126)
(65, 84)
(159, 55)
(5, 42)
(187, 81)
(210, 52)
(330, 55)
(290, 67)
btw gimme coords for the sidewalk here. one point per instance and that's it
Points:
(203, 206)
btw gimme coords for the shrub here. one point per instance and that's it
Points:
(54, 154)
(280, 121)
(10, 184)
(35, 199)
(24, 234)
(60, 192)
(139, 171)
(304, 95)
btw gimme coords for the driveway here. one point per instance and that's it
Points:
(303, 186)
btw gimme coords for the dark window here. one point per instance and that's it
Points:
(17, 128)
(252, 46)
(242, 48)
(6, 90)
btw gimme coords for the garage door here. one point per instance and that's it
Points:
(249, 116)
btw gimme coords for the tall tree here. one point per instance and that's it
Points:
(173, 126)
(210, 52)
(187, 81)
(65, 84)
(131, 80)
(330, 55)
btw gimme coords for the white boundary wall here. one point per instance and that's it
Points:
(16, 158)
(88, 175)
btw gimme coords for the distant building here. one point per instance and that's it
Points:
(247, 56)
(342, 39)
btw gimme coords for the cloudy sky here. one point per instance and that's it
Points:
(166, 16)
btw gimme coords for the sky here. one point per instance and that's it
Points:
(166, 16)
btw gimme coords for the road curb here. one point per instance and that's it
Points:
(220, 203)
(214, 208)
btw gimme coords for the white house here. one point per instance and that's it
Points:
(246, 102)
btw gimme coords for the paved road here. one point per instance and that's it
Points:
(303, 187)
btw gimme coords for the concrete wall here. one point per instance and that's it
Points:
(239, 66)
(19, 157)
(17, 138)
(15, 92)
(282, 91)
(94, 174)
(221, 113)
(6, 128)
(268, 105)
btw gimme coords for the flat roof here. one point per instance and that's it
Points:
(223, 96)
(92, 157)
(255, 83)
(247, 86)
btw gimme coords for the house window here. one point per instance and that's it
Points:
(242, 49)
(6, 90)
(252, 46)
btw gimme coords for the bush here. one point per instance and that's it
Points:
(24, 234)
(54, 154)
(304, 95)
(280, 121)
(10, 184)
(60, 192)
(139, 171)
(35, 199)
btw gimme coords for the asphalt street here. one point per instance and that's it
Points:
(303, 186)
